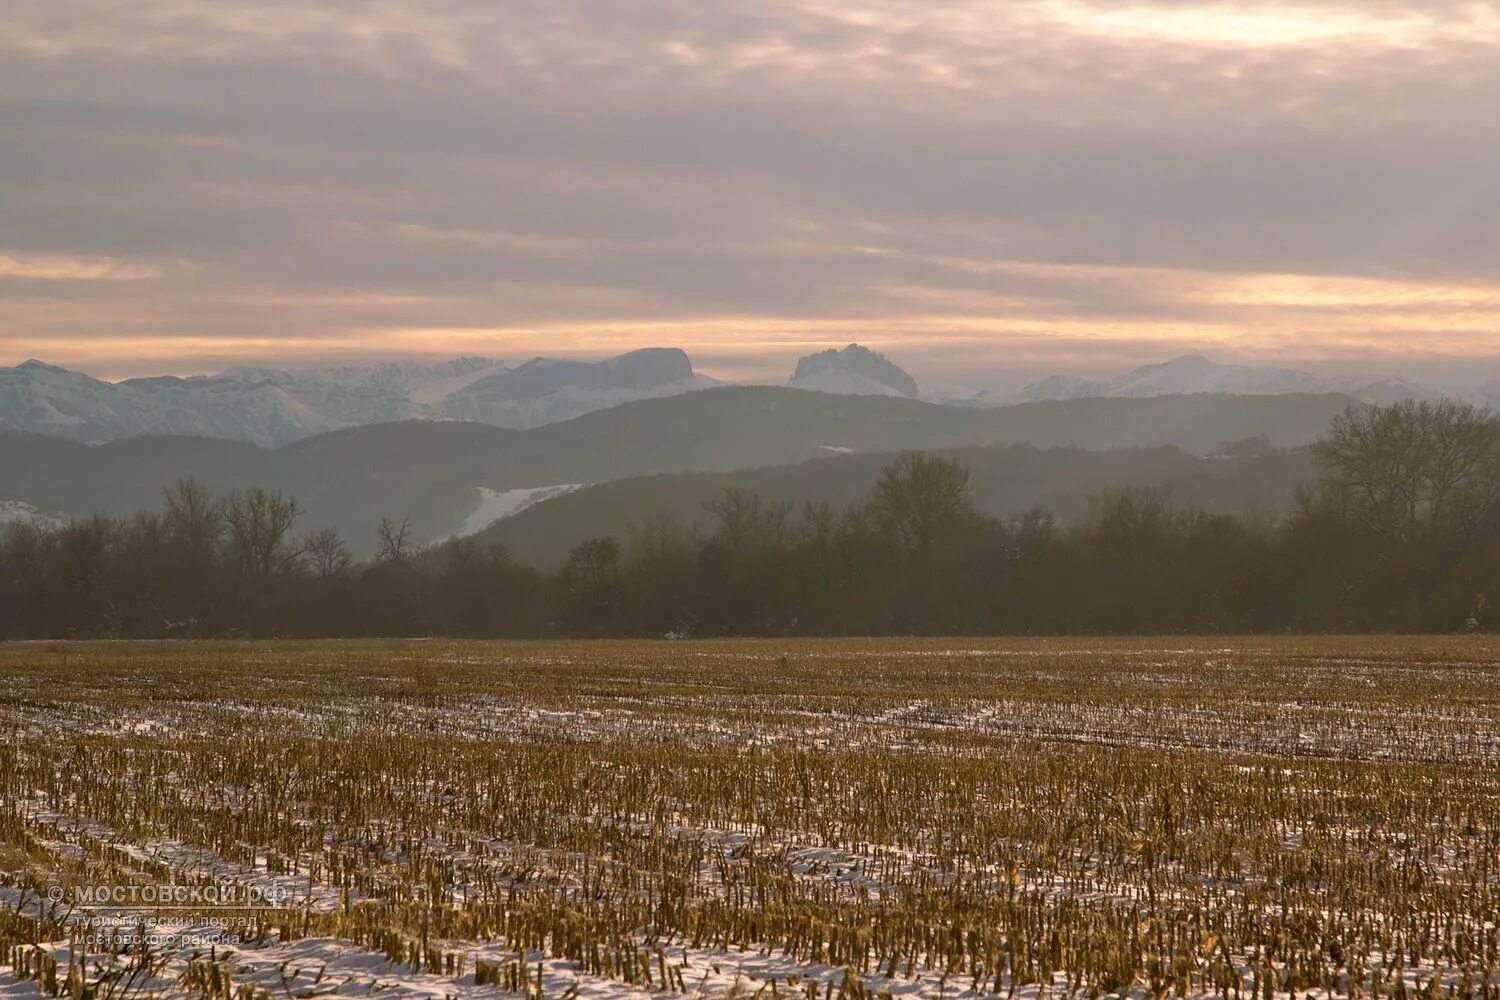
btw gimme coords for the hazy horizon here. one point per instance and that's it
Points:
(1439, 374)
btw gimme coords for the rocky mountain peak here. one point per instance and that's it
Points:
(854, 369)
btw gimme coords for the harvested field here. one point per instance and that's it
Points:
(1262, 818)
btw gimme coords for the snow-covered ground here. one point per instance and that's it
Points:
(860, 785)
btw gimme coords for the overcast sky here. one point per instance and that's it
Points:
(981, 189)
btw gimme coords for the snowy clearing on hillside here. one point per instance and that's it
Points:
(496, 505)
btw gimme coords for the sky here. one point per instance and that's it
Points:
(985, 190)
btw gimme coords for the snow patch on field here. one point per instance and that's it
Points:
(496, 505)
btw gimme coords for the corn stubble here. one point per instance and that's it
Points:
(1249, 819)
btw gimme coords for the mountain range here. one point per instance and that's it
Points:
(1193, 374)
(273, 407)
(542, 454)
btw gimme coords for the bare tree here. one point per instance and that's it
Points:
(919, 498)
(1130, 517)
(746, 521)
(326, 554)
(593, 564)
(394, 540)
(193, 516)
(658, 534)
(591, 580)
(259, 523)
(1414, 465)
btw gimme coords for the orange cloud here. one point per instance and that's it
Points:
(63, 267)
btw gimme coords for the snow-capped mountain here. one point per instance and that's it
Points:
(855, 370)
(267, 407)
(544, 390)
(14, 513)
(404, 380)
(1195, 374)
(272, 407)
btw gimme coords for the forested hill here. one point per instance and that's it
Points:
(431, 471)
(1005, 481)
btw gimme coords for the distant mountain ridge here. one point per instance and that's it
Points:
(1194, 374)
(272, 407)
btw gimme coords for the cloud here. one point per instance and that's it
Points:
(58, 267)
(286, 180)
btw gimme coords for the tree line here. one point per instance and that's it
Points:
(1402, 533)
